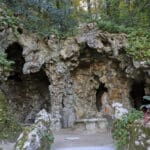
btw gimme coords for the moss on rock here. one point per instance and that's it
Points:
(38, 136)
(9, 128)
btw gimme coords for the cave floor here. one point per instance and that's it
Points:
(67, 139)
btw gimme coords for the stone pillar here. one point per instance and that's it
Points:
(61, 94)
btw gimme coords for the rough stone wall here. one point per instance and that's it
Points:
(27, 95)
(77, 66)
(87, 80)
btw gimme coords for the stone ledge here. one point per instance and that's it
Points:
(90, 120)
(93, 124)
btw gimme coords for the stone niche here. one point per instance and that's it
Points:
(26, 94)
(97, 84)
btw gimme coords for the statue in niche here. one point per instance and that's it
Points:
(68, 117)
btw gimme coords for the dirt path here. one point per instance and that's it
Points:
(70, 140)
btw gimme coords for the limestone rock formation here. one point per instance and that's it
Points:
(38, 136)
(77, 72)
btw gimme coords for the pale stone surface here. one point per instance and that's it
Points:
(36, 136)
(137, 143)
(119, 110)
(148, 141)
(148, 148)
(93, 124)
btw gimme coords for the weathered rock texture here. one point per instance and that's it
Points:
(38, 136)
(80, 70)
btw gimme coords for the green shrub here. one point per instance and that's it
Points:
(120, 131)
(9, 128)
(44, 17)
(112, 27)
(7, 18)
(4, 63)
(139, 44)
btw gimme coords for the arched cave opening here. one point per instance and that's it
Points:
(137, 92)
(26, 94)
(14, 53)
(99, 93)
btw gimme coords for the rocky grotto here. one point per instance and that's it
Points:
(76, 80)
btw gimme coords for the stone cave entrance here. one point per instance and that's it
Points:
(26, 94)
(137, 92)
(99, 93)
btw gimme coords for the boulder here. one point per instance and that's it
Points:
(37, 136)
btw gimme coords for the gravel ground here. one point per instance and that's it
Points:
(70, 140)
(107, 147)
(7, 146)
(77, 140)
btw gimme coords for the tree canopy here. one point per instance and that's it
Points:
(61, 17)
(65, 14)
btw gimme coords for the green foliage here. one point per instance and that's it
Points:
(60, 17)
(139, 44)
(4, 63)
(9, 129)
(7, 18)
(131, 13)
(44, 17)
(120, 131)
(112, 27)
(47, 141)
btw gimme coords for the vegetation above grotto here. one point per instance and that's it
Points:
(63, 19)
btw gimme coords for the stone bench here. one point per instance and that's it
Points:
(93, 123)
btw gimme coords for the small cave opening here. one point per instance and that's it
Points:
(136, 93)
(99, 93)
(14, 53)
(26, 94)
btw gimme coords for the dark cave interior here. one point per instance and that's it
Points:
(99, 93)
(137, 92)
(27, 94)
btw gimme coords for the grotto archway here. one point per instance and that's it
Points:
(26, 94)
(137, 92)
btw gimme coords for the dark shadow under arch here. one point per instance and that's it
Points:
(137, 92)
(27, 94)
(99, 92)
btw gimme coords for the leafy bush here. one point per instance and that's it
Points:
(4, 63)
(139, 44)
(9, 128)
(120, 131)
(44, 17)
(7, 18)
(112, 27)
